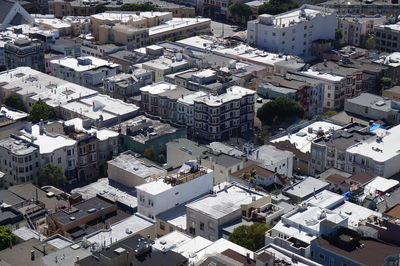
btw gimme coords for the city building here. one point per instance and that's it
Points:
(66, 47)
(348, 247)
(392, 64)
(387, 38)
(13, 14)
(372, 156)
(182, 150)
(100, 109)
(62, 8)
(292, 32)
(19, 161)
(330, 150)
(31, 85)
(310, 97)
(363, 8)
(185, 107)
(174, 189)
(206, 215)
(225, 115)
(133, 250)
(274, 159)
(86, 71)
(23, 52)
(355, 30)
(144, 133)
(130, 171)
(124, 34)
(58, 150)
(124, 85)
(374, 107)
(164, 65)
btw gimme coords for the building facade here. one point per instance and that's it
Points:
(25, 53)
(387, 38)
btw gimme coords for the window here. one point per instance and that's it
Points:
(312, 254)
(201, 226)
(162, 226)
(322, 256)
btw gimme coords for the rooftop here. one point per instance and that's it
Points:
(81, 210)
(36, 85)
(129, 163)
(392, 60)
(47, 143)
(109, 190)
(9, 198)
(381, 147)
(120, 230)
(128, 16)
(394, 27)
(66, 256)
(158, 88)
(175, 24)
(188, 146)
(17, 146)
(305, 188)
(189, 99)
(268, 155)
(259, 171)
(220, 147)
(12, 114)
(380, 185)
(303, 136)
(232, 93)
(101, 134)
(165, 63)
(143, 129)
(84, 63)
(376, 102)
(224, 202)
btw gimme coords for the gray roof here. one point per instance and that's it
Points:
(223, 159)
(190, 146)
(9, 198)
(68, 255)
(305, 188)
(373, 101)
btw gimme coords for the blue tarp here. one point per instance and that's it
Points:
(375, 126)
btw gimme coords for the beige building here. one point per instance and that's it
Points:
(355, 29)
(132, 37)
(133, 19)
(61, 8)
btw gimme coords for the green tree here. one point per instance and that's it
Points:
(7, 238)
(100, 9)
(150, 154)
(250, 236)
(138, 7)
(278, 110)
(370, 43)
(15, 102)
(52, 174)
(161, 158)
(274, 7)
(240, 10)
(40, 110)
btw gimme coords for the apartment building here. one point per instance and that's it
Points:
(374, 156)
(356, 7)
(165, 193)
(374, 107)
(330, 150)
(24, 52)
(133, 19)
(205, 217)
(387, 38)
(86, 71)
(185, 107)
(334, 85)
(124, 34)
(356, 29)
(31, 85)
(225, 115)
(165, 65)
(62, 8)
(309, 96)
(124, 85)
(58, 150)
(292, 32)
(19, 161)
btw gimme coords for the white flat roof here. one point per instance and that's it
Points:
(232, 93)
(294, 16)
(356, 213)
(197, 41)
(306, 187)
(325, 199)
(395, 27)
(10, 114)
(47, 143)
(171, 240)
(118, 231)
(52, 22)
(129, 16)
(268, 155)
(175, 24)
(220, 246)
(392, 59)
(73, 63)
(379, 151)
(224, 202)
(189, 99)
(26, 233)
(322, 75)
(294, 231)
(191, 248)
(36, 85)
(302, 139)
(380, 184)
(157, 88)
(164, 63)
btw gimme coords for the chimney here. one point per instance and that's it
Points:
(32, 255)
(77, 258)
(248, 257)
